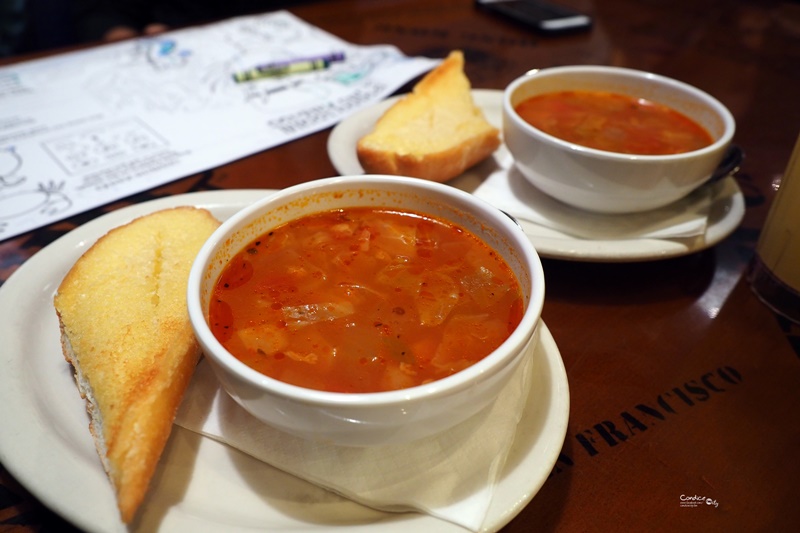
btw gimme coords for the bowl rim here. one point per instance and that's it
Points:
(624, 72)
(464, 379)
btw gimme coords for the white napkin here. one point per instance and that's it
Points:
(451, 476)
(507, 189)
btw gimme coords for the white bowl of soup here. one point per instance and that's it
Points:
(366, 310)
(613, 140)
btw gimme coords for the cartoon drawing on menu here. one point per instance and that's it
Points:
(46, 199)
(162, 53)
(10, 163)
(100, 149)
(18, 198)
(148, 110)
(103, 145)
(174, 73)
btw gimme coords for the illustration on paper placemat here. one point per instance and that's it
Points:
(179, 73)
(131, 115)
(162, 53)
(45, 199)
(10, 163)
(103, 145)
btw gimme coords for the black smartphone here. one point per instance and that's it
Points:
(544, 17)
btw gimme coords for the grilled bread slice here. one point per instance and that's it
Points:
(436, 132)
(125, 329)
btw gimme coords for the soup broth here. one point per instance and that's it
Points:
(614, 122)
(364, 300)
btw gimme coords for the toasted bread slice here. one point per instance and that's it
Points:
(435, 133)
(125, 329)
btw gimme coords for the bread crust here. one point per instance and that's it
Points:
(441, 166)
(125, 330)
(435, 133)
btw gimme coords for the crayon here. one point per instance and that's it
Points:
(330, 58)
(286, 68)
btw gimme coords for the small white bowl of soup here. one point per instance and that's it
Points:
(366, 310)
(613, 140)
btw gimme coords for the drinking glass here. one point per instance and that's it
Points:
(774, 273)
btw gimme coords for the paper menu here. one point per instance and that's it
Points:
(82, 129)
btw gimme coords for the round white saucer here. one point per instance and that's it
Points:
(202, 485)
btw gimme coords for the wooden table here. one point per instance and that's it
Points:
(682, 383)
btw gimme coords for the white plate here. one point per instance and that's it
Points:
(202, 485)
(727, 202)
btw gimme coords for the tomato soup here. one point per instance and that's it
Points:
(614, 122)
(364, 300)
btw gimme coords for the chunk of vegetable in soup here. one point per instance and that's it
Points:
(365, 300)
(614, 122)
